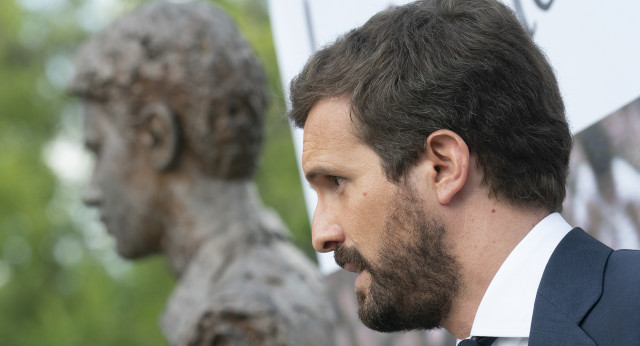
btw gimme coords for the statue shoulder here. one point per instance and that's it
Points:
(267, 294)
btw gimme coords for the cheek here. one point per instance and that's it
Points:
(121, 185)
(113, 180)
(123, 168)
(369, 212)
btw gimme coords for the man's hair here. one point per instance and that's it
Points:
(191, 57)
(463, 65)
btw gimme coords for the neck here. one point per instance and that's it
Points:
(482, 240)
(207, 209)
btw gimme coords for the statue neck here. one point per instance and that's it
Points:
(208, 209)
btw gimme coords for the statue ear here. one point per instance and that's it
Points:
(160, 134)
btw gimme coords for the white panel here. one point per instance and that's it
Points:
(594, 46)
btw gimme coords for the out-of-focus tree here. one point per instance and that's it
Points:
(61, 282)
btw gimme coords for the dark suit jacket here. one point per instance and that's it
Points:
(588, 295)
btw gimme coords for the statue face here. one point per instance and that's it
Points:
(123, 186)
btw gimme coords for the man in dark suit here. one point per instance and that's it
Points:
(436, 141)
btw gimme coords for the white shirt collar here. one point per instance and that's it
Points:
(507, 305)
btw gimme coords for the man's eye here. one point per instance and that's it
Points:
(336, 180)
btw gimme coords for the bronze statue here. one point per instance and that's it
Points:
(174, 108)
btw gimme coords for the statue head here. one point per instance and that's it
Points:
(171, 89)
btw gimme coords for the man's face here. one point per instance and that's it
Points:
(407, 277)
(123, 185)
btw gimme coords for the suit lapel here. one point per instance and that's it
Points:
(570, 286)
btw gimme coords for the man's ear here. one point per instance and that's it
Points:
(448, 157)
(160, 134)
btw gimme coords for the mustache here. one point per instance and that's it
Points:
(344, 255)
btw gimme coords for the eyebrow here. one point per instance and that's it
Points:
(315, 172)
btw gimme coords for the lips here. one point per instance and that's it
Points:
(352, 267)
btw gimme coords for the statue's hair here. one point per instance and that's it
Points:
(191, 57)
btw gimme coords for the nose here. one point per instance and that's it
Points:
(92, 196)
(326, 235)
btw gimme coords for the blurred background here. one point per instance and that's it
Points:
(61, 282)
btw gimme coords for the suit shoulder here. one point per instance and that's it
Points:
(621, 281)
(615, 318)
(625, 257)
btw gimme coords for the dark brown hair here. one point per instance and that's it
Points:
(463, 65)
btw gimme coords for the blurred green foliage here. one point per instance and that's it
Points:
(59, 283)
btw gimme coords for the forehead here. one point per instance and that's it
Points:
(329, 120)
(329, 132)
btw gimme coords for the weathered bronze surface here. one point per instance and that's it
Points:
(174, 108)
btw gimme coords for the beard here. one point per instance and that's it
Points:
(415, 278)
